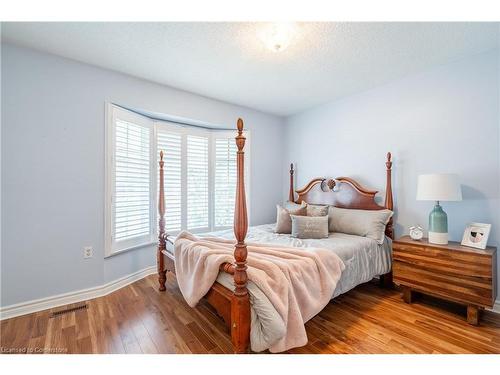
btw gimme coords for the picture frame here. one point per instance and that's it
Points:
(476, 235)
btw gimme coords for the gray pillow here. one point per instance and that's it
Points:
(309, 226)
(283, 220)
(317, 210)
(294, 206)
(364, 223)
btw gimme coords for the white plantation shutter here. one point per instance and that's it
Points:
(199, 178)
(132, 195)
(197, 182)
(170, 143)
(224, 181)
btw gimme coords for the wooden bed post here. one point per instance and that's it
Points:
(240, 301)
(388, 195)
(162, 245)
(291, 195)
(386, 280)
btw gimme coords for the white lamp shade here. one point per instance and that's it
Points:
(439, 187)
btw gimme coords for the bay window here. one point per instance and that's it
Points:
(199, 178)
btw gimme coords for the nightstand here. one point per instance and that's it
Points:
(453, 272)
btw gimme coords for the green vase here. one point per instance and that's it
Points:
(438, 225)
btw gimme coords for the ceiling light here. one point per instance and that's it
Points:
(277, 36)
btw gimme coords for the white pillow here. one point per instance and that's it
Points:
(364, 223)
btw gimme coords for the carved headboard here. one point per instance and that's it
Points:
(344, 192)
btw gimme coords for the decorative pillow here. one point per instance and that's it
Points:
(317, 210)
(309, 226)
(364, 223)
(283, 220)
(294, 206)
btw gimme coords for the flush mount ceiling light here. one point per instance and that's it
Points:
(277, 36)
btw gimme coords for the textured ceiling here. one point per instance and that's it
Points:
(228, 61)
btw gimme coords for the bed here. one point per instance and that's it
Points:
(240, 303)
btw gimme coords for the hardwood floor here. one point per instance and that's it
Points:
(139, 319)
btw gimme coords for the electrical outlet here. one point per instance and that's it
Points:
(88, 252)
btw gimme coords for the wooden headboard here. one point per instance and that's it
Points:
(344, 192)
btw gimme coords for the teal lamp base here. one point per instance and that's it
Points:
(438, 226)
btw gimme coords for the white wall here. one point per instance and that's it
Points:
(53, 168)
(442, 120)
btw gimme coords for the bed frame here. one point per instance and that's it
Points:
(234, 307)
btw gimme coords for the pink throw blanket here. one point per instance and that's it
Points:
(298, 282)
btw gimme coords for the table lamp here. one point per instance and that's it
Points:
(438, 187)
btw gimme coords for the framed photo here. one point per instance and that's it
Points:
(476, 235)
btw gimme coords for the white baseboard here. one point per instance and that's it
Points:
(29, 307)
(496, 307)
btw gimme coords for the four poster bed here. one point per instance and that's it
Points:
(232, 302)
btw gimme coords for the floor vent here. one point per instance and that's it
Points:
(69, 310)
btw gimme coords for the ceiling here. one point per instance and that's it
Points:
(228, 61)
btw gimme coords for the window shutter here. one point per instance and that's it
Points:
(132, 198)
(225, 181)
(199, 178)
(170, 144)
(197, 182)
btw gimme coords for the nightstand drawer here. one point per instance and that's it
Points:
(460, 288)
(447, 262)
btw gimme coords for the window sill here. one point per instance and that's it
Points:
(135, 247)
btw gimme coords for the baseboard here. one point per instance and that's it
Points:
(73, 297)
(496, 307)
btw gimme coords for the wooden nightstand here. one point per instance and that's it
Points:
(453, 272)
